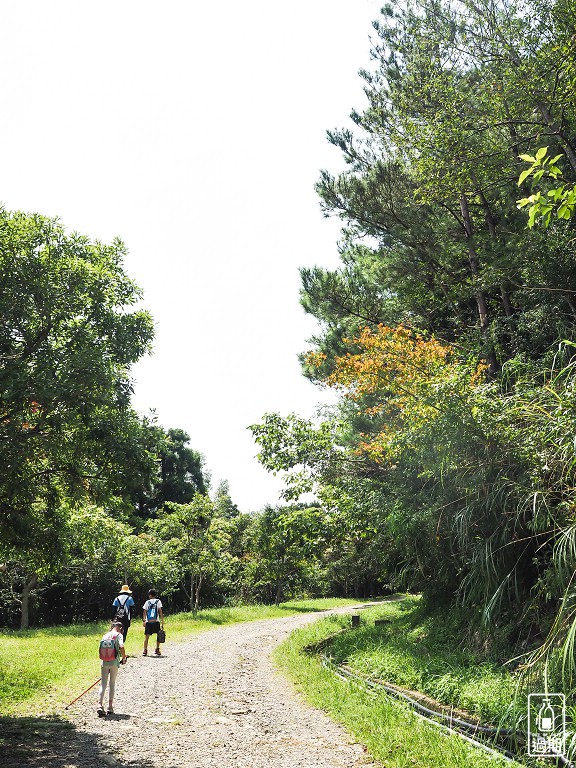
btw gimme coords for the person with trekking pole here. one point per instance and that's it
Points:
(112, 654)
(82, 694)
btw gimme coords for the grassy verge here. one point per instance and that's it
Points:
(41, 670)
(415, 657)
(425, 653)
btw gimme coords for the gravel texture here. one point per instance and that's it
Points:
(214, 701)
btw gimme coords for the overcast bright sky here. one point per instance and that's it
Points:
(194, 131)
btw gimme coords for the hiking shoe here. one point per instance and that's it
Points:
(144, 653)
(157, 652)
(110, 711)
(100, 711)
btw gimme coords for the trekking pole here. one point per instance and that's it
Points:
(83, 692)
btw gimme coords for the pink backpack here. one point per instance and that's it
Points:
(109, 648)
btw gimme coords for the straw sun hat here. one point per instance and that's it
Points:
(126, 589)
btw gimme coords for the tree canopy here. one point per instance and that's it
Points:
(448, 330)
(69, 333)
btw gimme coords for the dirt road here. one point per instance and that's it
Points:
(214, 701)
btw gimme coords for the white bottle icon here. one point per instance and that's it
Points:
(545, 720)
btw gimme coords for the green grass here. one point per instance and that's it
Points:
(392, 733)
(41, 670)
(425, 653)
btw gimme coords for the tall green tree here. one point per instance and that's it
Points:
(68, 336)
(181, 472)
(457, 92)
(223, 504)
(287, 542)
(195, 544)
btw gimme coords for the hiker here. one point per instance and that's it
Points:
(151, 617)
(112, 654)
(123, 604)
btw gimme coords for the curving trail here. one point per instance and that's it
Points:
(214, 701)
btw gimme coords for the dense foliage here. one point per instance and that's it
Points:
(67, 340)
(449, 328)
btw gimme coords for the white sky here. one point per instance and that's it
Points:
(195, 131)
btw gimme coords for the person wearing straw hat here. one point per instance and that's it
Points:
(123, 605)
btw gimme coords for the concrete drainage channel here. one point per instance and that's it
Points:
(498, 742)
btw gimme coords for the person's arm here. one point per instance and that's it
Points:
(122, 651)
(161, 616)
(144, 613)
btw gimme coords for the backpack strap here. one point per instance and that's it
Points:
(123, 605)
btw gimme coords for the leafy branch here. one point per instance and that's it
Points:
(558, 201)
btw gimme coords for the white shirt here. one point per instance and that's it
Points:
(147, 605)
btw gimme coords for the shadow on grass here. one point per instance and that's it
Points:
(230, 618)
(210, 619)
(300, 609)
(88, 629)
(53, 742)
(225, 616)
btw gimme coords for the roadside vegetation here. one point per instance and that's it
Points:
(424, 651)
(448, 331)
(410, 650)
(41, 670)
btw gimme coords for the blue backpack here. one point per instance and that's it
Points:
(152, 612)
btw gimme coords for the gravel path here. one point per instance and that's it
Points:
(214, 701)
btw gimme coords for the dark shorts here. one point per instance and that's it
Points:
(151, 627)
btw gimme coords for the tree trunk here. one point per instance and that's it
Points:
(197, 595)
(491, 224)
(278, 591)
(28, 587)
(481, 303)
(506, 303)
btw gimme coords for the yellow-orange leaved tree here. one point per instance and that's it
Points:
(401, 381)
